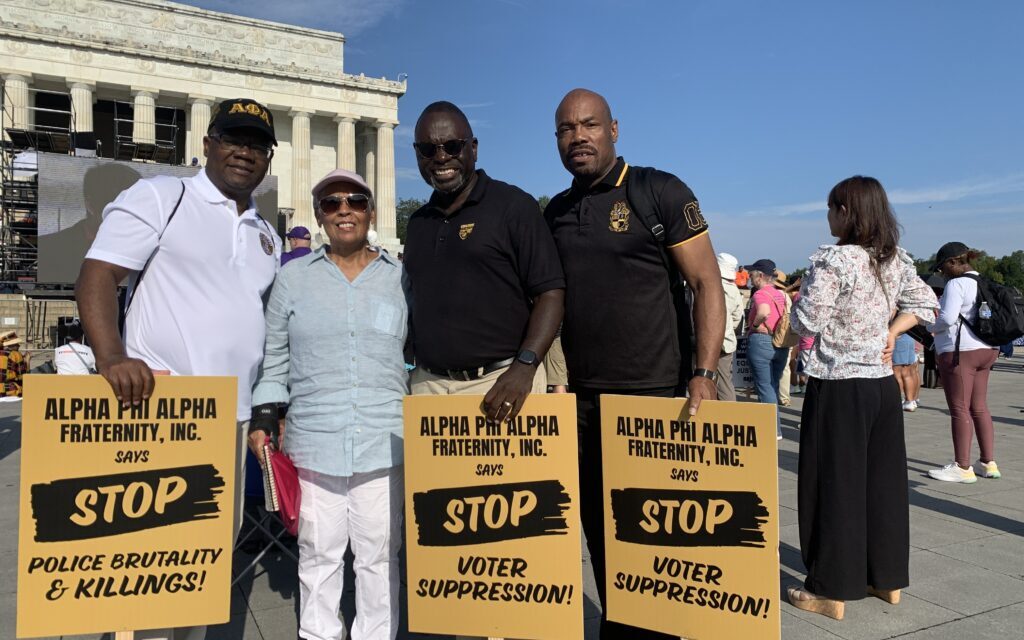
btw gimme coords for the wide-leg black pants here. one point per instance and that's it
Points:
(588, 411)
(853, 505)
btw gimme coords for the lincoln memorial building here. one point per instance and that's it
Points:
(136, 80)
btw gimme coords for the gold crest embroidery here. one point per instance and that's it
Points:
(618, 219)
(465, 230)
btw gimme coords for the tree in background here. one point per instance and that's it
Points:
(403, 210)
(1008, 270)
(543, 202)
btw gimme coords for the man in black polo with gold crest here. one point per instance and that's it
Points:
(484, 280)
(625, 236)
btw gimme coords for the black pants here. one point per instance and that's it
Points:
(852, 489)
(592, 498)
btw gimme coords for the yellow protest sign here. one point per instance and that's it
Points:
(126, 514)
(691, 517)
(492, 519)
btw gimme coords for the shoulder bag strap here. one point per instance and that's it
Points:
(145, 268)
(81, 359)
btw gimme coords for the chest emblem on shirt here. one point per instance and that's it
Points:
(267, 244)
(465, 230)
(618, 219)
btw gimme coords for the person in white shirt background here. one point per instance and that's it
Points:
(74, 358)
(964, 363)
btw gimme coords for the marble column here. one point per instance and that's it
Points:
(16, 100)
(370, 155)
(198, 123)
(144, 121)
(302, 200)
(81, 103)
(346, 142)
(385, 191)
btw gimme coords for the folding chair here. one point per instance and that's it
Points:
(261, 522)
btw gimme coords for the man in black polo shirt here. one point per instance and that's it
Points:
(620, 332)
(485, 282)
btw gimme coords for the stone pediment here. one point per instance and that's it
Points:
(173, 32)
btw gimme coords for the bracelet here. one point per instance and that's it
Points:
(706, 373)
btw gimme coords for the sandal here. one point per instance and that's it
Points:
(804, 599)
(892, 596)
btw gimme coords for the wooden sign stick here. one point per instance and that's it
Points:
(124, 635)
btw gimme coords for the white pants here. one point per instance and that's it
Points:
(366, 510)
(199, 633)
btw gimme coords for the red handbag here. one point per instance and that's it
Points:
(284, 481)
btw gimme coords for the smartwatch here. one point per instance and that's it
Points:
(527, 357)
(706, 373)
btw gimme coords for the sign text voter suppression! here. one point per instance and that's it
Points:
(492, 519)
(691, 517)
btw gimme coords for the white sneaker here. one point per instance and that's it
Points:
(986, 469)
(953, 473)
(910, 405)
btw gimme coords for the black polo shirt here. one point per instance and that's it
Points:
(620, 327)
(472, 274)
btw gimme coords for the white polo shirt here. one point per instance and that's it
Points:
(199, 308)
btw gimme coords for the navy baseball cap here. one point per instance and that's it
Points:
(764, 265)
(299, 232)
(240, 113)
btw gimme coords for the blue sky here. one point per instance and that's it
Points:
(760, 107)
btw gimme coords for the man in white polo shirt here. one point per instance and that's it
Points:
(201, 259)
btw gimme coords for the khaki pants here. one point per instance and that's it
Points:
(199, 633)
(425, 383)
(554, 364)
(724, 386)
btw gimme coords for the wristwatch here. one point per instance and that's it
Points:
(527, 357)
(706, 373)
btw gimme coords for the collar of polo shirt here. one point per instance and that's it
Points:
(614, 178)
(211, 193)
(475, 196)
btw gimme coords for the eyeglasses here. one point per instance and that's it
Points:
(232, 144)
(358, 202)
(451, 147)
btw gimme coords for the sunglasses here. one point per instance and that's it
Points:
(451, 147)
(232, 144)
(358, 202)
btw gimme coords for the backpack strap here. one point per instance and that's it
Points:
(644, 201)
(145, 268)
(642, 195)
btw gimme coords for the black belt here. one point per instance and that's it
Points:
(470, 374)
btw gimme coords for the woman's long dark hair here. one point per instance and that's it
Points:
(868, 220)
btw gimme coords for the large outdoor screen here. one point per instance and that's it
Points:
(72, 194)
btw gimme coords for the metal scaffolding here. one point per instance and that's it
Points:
(19, 178)
(163, 150)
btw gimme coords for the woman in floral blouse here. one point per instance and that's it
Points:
(859, 294)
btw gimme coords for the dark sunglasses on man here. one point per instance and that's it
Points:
(358, 202)
(451, 147)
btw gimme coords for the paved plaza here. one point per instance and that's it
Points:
(966, 562)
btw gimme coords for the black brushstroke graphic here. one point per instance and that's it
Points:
(632, 512)
(58, 510)
(546, 518)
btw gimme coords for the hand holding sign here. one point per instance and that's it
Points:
(130, 378)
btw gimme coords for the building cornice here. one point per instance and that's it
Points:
(168, 32)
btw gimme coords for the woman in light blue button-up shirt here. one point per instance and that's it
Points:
(336, 326)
